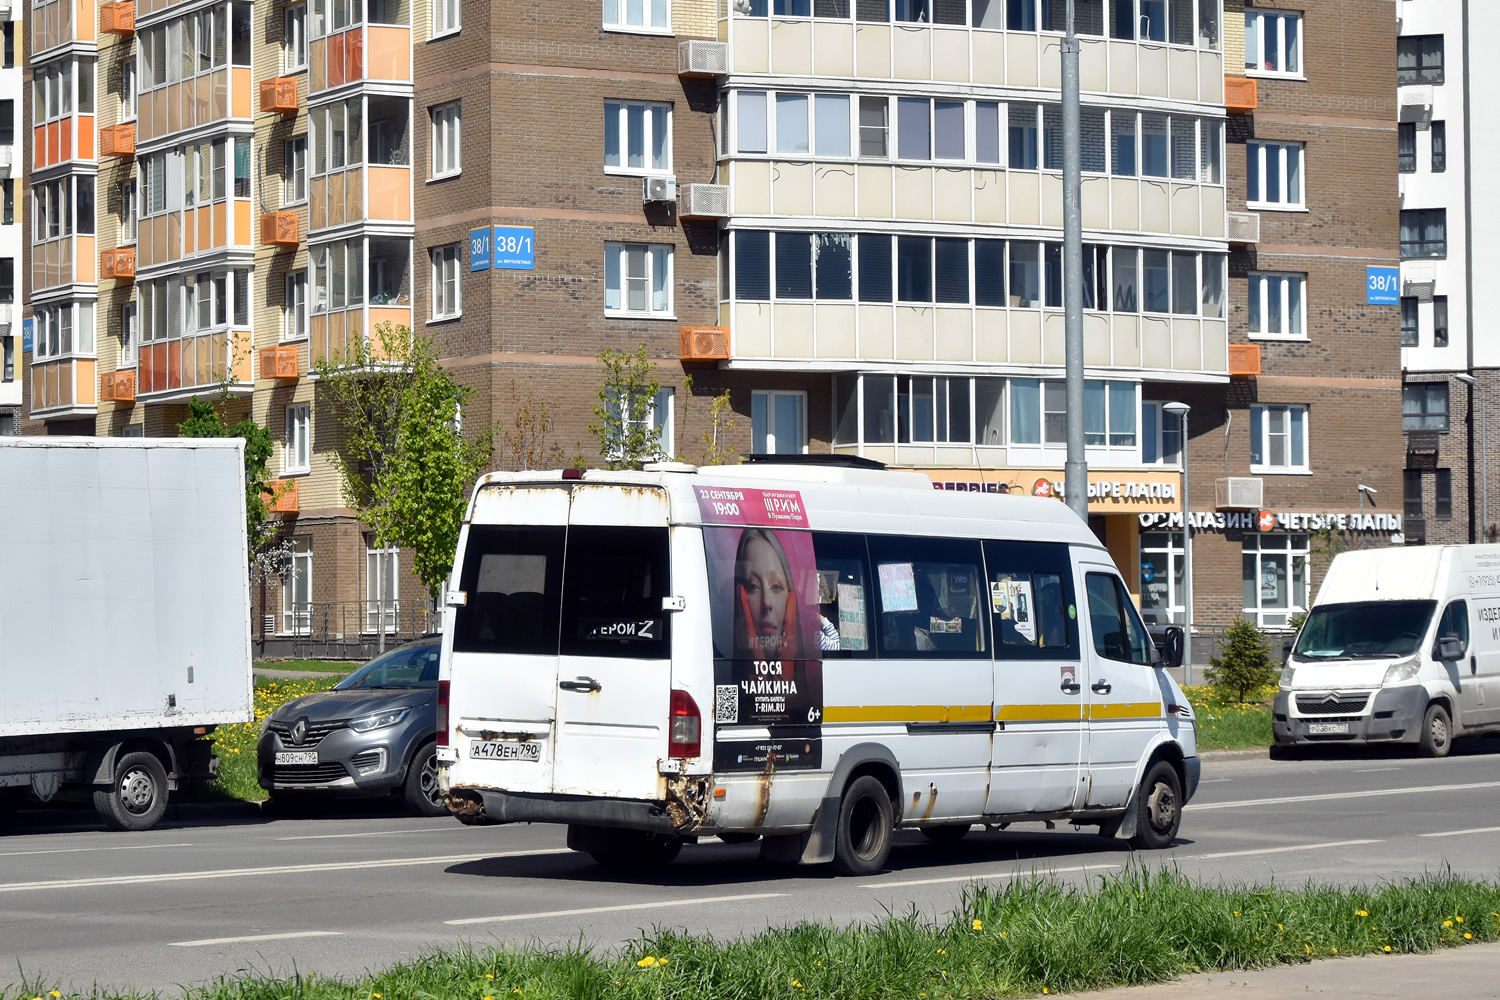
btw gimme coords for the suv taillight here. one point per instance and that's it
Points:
(687, 727)
(442, 714)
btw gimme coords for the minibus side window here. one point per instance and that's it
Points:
(1032, 612)
(844, 601)
(613, 581)
(1118, 632)
(929, 597)
(513, 578)
(1455, 623)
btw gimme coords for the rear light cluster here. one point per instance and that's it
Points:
(442, 714)
(687, 727)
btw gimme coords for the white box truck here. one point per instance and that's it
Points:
(124, 617)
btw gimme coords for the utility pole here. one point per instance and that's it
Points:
(1076, 471)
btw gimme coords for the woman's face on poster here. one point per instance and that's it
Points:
(766, 586)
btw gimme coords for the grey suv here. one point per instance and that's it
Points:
(374, 733)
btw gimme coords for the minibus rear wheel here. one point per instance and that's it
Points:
(866, 820)
(1159, 800)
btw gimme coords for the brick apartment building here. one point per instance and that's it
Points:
(847, 217)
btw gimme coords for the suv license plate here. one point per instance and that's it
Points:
(505, 750)
(1325, 728)
(297, 757)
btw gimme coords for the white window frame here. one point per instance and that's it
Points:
(1265, 466)
(659, 415)
(1293, 547)
(1261, 285)
(129, 90)
(447, 282)
(1255, 31)
(622, 132)
(296, 445)
(655, 252)
(129, 211)
(130, 334)
(1160, 436)
(1167, 551)
(294, 167)
(375, 595)
(296, 616)
(447, 129)
(294, 39)
(610, 17)
(294, 318)
(764, 401)
(447, 17)
(1263, 149)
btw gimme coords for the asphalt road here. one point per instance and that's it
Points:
(359, 888)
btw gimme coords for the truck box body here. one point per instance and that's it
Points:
(124, 600)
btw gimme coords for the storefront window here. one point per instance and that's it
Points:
(1274, 576)
(1162, 578)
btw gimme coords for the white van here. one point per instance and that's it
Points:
(812, 652)
(1402, 645)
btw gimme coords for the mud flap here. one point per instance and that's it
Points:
(1127, 822)
(818, 849)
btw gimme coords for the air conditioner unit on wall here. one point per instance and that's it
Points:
(702, 58)
(1239, 493)
(705, 201)
(659, 189)
(1244, 227)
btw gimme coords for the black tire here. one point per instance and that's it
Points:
(421, 786)
(866, 821)
(137, 798)
(1437, 732)
(636, 851)
(1158, 805)
(950, 833)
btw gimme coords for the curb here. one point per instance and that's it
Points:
(1258, 753)
(238, 809)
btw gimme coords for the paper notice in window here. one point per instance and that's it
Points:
(898, 587)
(1022, 612)
(852, 629)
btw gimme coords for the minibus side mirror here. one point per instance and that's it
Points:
(1450, 647)
(1169, 653)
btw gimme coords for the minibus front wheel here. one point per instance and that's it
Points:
(1159, 800)
(866, 821)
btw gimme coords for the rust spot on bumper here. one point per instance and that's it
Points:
(688, 798)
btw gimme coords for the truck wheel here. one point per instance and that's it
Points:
(421, 788)
(949, 833)
(634, 851)
(1159, 808)
(138, 797)
(863, 841)
(1437, 732)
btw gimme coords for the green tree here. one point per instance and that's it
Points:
(406, 465)
(1246, 664)
(627, 436)
(205, 421)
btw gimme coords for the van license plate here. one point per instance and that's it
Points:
(297, 757)
(505, 750)
(1325, 728)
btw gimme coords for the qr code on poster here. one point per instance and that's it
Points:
(726, 703)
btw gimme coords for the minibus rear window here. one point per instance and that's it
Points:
(513, 578)
(613, 585)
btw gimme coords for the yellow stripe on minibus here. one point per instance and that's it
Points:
(1126, 710)
(906, 713)
(1062, 712)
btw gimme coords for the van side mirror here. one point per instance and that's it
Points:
(1450, 647)
(1169, 647)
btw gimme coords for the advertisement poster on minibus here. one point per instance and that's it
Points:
(767, 630)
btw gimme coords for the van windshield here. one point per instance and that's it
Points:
(1364, 631)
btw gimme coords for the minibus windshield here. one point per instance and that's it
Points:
(1364, 631)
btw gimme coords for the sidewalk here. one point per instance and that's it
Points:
(1470, 971)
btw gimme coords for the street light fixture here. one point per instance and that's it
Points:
(1484, 455)
(1180, 411)
(1363, 489)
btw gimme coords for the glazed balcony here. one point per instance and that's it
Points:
(70, 138)
(177, 235)
(66, 261)
(173, 368)
(219, 95)
(342, 53)
(343, 316)
(64, 387)
(59, 22)
(370, 180)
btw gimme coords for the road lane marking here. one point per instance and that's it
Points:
(1210, 781)
(80, 850)
(378, 833)
(973, 878)
(331, 866)
(1281, 850)
(1460, 833)
(1330, 796)
(1374, 770)
(662, 904)
(254, 937)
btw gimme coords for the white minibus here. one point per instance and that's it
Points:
(813, 652)
(1402, 645)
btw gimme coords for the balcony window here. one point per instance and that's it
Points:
(1410, 332)
(1419, 59)
(1424, 232)
(1440, 321)
(1439, 133)
(62, 330)
(1406, 147)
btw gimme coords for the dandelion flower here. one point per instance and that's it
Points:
(1236, 912)
(1003, 934)
(1335, 951)
(489, 998)
(798, 983)
(941, 951)
(489, 975)
(978, 924)
(1447, 923)
(646, 962)
(1468, 936)
(1459, 919)
(54, 993)
(662, 961)
(1308, 947)
(1361, 913)
(375, 995)
(1387, 948)
(1278, 927)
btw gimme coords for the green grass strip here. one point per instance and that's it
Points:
(1031, 936)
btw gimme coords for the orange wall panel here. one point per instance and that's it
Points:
(239, 92)
(86, 266)
(242, 229)
(389, 53)
(220, 235)
(85, 21)
(390, 193)
(174, 364)
(88, 386)
(86, 149)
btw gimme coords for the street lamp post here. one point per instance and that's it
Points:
(1180, 410)
(1484, 455)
